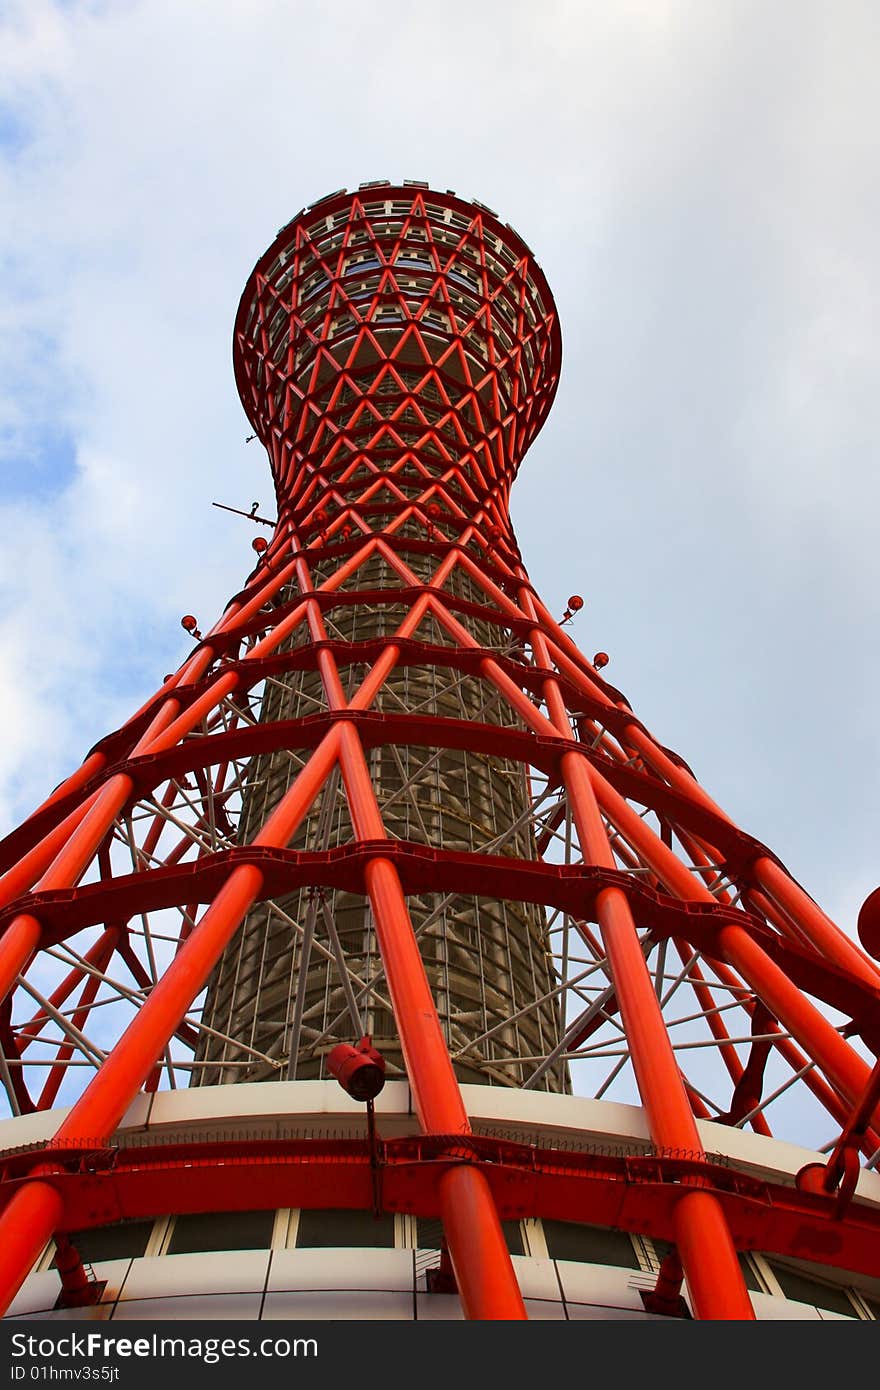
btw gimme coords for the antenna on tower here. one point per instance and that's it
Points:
(252, 515)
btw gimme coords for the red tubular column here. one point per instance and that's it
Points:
(801, 1018)
(28, 1222)
(486, 1281)
(813, 922)
(23, 875)
(44, 851)
(101, 1107)
(93, 764)
(16, 946)
(104, 1102)
(35, 1210)
(435, 1090)
(83, 834)
(19, 941)
(479, 1253)
(713, 1273)
(822, 1041)
(58, 854)
(708, 1255)
(825, 935)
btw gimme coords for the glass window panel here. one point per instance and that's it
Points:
(221, 1230)
(514, 1237)
(117, 1242)
(567, 1240)
(335, 1228)
(662, 1248)
(752, 1281)
(804, 1289)
(873, 1304)
(430, 1235)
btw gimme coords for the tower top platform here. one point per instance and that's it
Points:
(422, 304)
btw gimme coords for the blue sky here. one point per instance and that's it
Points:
(700, 185)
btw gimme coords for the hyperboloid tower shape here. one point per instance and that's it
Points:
(387, 803)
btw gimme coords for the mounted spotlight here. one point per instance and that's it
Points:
(359, 1070)
(575, 604)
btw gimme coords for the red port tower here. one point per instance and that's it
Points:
(387, 908)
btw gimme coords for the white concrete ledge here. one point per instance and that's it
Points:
(304, 1109)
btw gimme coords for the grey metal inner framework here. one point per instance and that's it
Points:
(487, 961)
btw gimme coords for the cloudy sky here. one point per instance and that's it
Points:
(700, 183)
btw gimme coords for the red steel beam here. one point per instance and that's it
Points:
(703, 1239)
(638, 1193)
(99, 1110)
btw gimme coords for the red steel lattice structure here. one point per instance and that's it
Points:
(397, 351)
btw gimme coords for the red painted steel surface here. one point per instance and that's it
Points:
(397, 351)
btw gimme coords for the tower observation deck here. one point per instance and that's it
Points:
(386, 811)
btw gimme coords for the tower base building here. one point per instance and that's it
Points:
(336, 1263)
